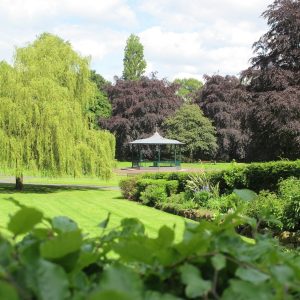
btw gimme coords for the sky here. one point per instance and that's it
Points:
(181, 38)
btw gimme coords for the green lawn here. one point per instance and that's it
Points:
(86, 206)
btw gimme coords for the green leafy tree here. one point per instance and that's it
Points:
(101, 107)
(191, 127)
(43, 124)
(188, 87)
(134, 62)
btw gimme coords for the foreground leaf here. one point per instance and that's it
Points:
(24, 220)
(195, 285)
(61, 245)
(52, 281)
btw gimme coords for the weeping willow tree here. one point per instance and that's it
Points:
(43, 125)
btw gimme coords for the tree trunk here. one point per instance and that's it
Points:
(19, 183)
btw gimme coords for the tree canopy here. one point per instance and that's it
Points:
(43, 125)
(138, 107)
(100, 107)
(133, 62)
(274, 83)
(188, 87)
(224, 101)
(190, 126)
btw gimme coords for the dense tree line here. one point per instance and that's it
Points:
(257, 116)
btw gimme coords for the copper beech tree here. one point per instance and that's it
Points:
(138, 107)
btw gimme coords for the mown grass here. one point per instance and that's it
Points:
(113, 181)
(88, 207)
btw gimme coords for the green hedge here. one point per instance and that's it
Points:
(254, 176)
(258, 176)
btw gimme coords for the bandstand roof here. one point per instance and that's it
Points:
(156, 139)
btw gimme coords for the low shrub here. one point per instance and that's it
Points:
(128, 188)
(225, 203)
(153, 194)
(289, 192)
(267, 209)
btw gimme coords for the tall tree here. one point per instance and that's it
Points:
(43, 125)
(274, 82)
(190, 126)
(100, 107)
(138, 107)
(188, 87)
(224, 100)
(133, 62)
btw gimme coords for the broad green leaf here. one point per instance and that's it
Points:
(122, 282)
(165, 237)
(110, 295)
(52, 281)
(7, 291)
(242, 290)
(196, 286)
(151, 295)
(134, 250)
(245, 194)
(218, 261)
(63, 224)
(61, 245)
(283, 273)
(251, 275)
(132, 226)
(24, 220)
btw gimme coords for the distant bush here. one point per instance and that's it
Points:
(289, 192)
(128, 187)
(267, 208)
(152, 194)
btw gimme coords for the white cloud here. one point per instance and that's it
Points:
(39, 10)
(181, 38)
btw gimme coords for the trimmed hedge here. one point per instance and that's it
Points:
(254, 176)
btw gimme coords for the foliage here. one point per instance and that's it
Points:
(245, 194)
(43, 127)
(225, 203)
(138, 108)
(153, 194)
(188, 87)
(274, 83)
(211, 261)
(267, 209)
(169, 186)
(289, 192)
(224, 100)
(134, 62)
(257, 176)
(101, 107)
(128, 187)
(189, 126)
